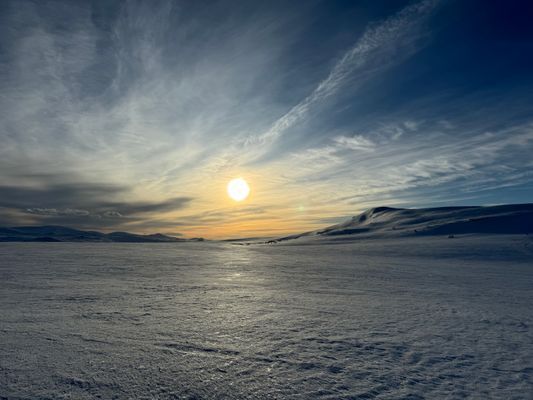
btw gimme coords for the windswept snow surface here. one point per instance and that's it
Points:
(407, 318)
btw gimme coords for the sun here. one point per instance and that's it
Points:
(238, 189)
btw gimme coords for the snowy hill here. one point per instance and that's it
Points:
(396, 222)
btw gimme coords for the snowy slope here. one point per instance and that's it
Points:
(394, 222)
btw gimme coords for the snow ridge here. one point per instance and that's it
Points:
(400, 222)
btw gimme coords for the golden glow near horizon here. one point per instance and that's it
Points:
(238, 189)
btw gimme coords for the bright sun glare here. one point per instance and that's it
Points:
(238, 189)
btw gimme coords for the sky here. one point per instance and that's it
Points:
(134, 115)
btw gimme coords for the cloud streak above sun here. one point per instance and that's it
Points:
(134, 116)
(377, 48)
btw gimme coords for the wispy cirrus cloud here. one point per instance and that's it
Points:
(355, 142)
(429, 159)
(379, 47)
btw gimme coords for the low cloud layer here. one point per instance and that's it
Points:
(86, 205)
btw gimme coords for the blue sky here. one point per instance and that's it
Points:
(134, 115)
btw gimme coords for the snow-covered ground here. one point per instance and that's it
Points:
(404, 318)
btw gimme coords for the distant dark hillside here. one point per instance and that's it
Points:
(451, 221)
(64, 234)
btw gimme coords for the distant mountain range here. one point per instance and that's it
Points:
(450, 221)
(64, 234)
(380, 222)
